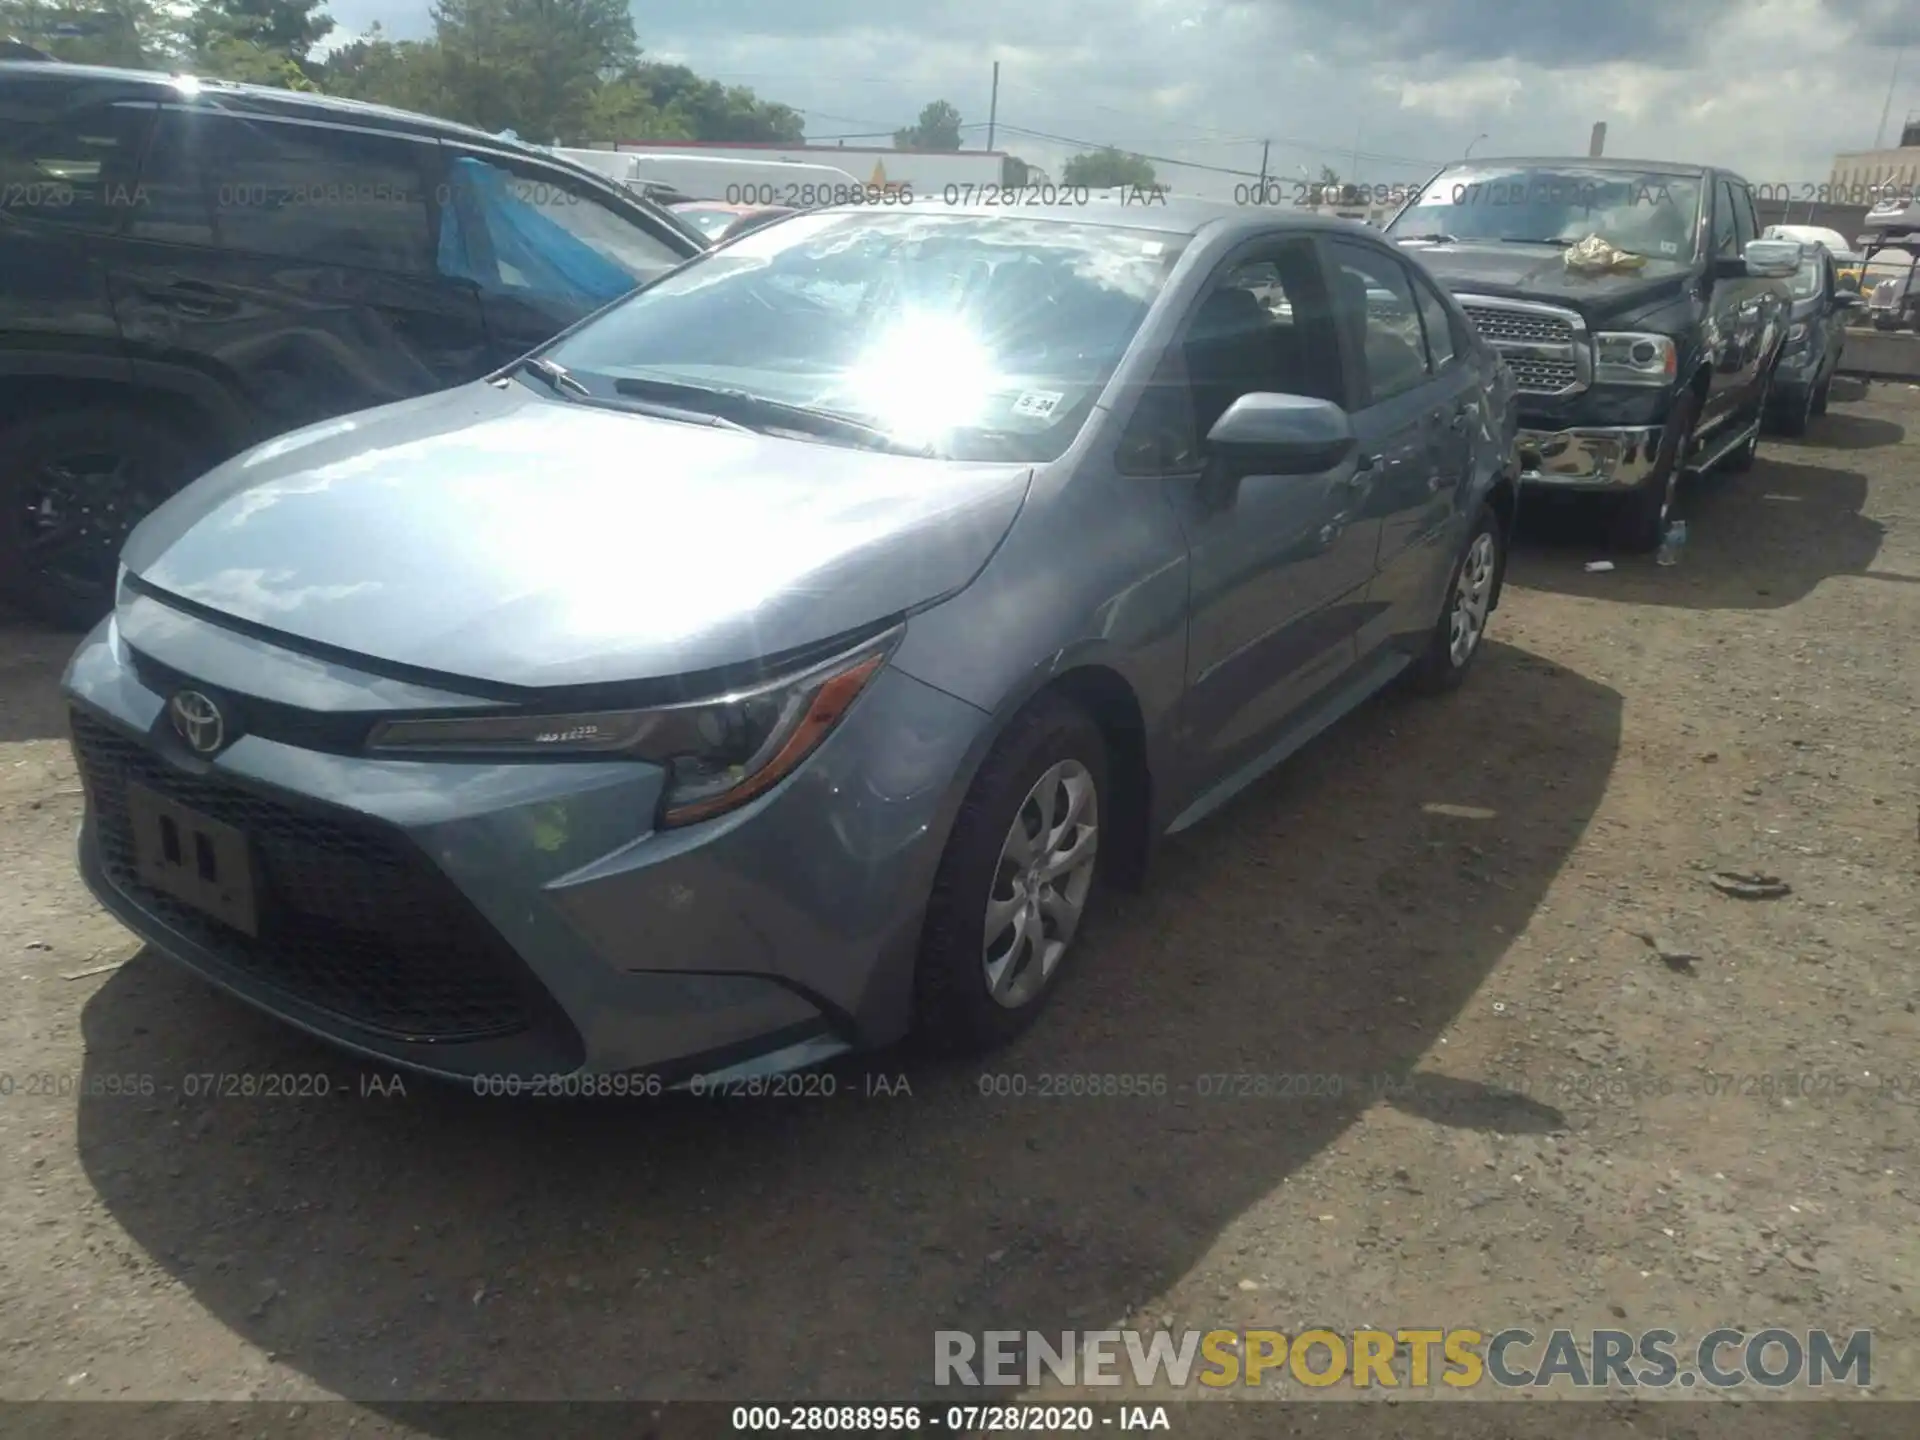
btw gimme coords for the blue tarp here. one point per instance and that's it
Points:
(552, 260)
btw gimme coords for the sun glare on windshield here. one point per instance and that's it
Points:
(924, 375)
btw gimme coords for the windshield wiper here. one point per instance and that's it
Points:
(558, 378)
(744, 406)
(1561, 240)
(1438, 238)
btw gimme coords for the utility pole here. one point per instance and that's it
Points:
(1880, 135)
(1265, 146)
(1597, 144)
(993, 105)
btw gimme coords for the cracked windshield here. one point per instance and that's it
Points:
(813, 717)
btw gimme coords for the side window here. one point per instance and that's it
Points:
(1161, 438)
(1379, 319)
(1263, 325)
(1726, 238)
(1442, 344)
(1746, 225)
(521, 229)
(274, 187)
(77, 169)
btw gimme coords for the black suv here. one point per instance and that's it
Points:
(1634, 373)
(188, 268)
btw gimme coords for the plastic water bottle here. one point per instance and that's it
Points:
(1672, 543)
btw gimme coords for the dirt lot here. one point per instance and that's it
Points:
(1447, 892)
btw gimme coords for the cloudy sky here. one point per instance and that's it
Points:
(1772, 87)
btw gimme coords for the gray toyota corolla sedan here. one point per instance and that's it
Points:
(781, 660)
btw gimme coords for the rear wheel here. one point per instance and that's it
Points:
(1015, 881)
(1456, 638)
(1641, 518)
(1793, 418)
(1821, 395)
(73, 485)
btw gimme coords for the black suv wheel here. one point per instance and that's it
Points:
(73, 485)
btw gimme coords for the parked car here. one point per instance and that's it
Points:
(1816, 339)
(781, 660)
(719, 221)
(1630, 376)
(1893, 302)
(188, 268)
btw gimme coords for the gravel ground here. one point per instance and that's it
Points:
(1471, 918)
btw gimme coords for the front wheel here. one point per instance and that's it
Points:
(1015, 881)
(1641, 518)
(1455, 639)
(73, 484)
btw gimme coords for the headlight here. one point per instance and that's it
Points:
(1627, 357)
(718, 753)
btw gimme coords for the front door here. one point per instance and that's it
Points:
(1279, 564)
(1741, 311)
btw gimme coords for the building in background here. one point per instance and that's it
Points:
(1898, 168)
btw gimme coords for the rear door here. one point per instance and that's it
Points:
(68, 161)
(544, 248)
(292, 262)
(1420, 513)
(1405, 415)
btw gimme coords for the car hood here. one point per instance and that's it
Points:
(495, 534)
(1539, 272)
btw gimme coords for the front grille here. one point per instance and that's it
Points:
(1517, 327)
(352, 921)
(1543, 377)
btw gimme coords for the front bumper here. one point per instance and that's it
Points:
(481, 919)
(1610, 458)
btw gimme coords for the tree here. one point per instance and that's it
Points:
(141, 34)
(275, 28)
(1108, 168)
(707, 110)
(937, 129)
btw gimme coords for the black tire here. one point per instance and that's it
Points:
(1794, 418)
(1437, 670)
(1821, 395)
(64, 574)
(1640, 518)
(954, 1011)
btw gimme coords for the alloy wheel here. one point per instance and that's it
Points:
(1472, 598)
(1040, 883)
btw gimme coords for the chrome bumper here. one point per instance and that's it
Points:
(1608, 459)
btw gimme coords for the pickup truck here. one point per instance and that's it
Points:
(1649, 364)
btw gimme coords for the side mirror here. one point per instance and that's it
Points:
(1772, 259)
(1846, 299)
(1283, 434)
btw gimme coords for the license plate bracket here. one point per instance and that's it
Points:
(204, 862)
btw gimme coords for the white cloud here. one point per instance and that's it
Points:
(1773, 88)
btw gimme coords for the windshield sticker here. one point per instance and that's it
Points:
(1668, 247)
(1038, 403)
(1152, 247)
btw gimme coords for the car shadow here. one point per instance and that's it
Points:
(1755, 541)
(1324, 931)
(32, 659)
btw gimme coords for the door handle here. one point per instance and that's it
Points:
(1363, 472)
(190, 297)
(1462, 420)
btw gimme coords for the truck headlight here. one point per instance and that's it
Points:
(1629, 357)
(718, 753)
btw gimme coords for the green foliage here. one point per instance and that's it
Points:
(1108, 168)
(140, 34)
(937, 129)
(567, 70)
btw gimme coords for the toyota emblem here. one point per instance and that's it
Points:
(197, 720)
